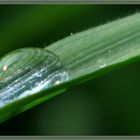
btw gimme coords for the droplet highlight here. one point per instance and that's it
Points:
(26, 71)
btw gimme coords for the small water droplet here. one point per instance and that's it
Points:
(101, 63)
(27, 71)
(71, 33)
(109, 51)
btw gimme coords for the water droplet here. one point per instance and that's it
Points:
(109, 51)
(101, 63)
(71, 33)
(29, 70)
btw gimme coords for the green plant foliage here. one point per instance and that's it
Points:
(86, 55)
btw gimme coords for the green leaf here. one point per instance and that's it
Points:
(100, 48)
(86, 55)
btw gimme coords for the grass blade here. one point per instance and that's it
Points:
(86, 55)
(101, 47)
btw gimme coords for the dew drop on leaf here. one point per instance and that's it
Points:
(101, 63)
(29, 70)
(71, 33)
(109, 51)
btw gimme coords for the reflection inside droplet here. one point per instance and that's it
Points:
(26, 71)
(4, 67)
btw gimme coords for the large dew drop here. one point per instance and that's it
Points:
(29, 70)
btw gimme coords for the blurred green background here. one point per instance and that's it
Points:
(108, 105)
